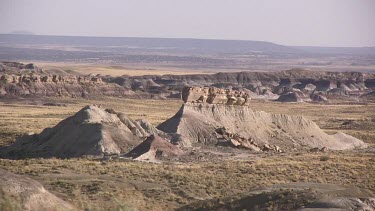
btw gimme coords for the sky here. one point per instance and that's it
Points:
(340, 23)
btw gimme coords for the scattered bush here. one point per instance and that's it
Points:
(324, 158)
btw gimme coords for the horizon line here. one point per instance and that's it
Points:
(184, 38)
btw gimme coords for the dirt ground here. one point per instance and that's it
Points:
(124, 184)
(115, 70)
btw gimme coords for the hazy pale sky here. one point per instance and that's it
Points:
(288, 22)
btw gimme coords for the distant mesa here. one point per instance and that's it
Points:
(27, 80)
(233, 88)
(17, 67)
(188, 45)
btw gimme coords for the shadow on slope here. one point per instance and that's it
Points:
(295, 196)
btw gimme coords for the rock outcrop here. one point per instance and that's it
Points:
(267, 85)
(154, 148)
(235, 140)
(198, 125)
(90, 132)
(15, 80)
(18, 79)
(58, 85)
(17, 67)
(212, 95)
(24, 193)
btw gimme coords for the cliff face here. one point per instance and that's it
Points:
(58, 85)
(28, 80)
(259, 84)
(17, 79)
(248, 79)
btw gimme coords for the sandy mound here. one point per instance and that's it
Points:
(91, 131)
(369, 96)
(338, 92)
(199, 124)
(290, 97)
(27, 194)
(295, 196)
(318, 98)
(153, 148)
(309, 87)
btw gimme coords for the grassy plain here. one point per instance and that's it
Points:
(116, 70)
(128, 185)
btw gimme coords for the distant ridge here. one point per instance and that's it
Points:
(338, 50)
(22, 32)
(178, 44)
(167, 44)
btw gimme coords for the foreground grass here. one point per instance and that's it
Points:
(108, 185)
(117, 70)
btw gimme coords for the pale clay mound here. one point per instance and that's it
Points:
(29, 194)
(198, 124)
(96, 132)
(290, 97)
(91, 131)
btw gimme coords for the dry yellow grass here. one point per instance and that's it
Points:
(90, 183)
(330, 117)
(115, 70)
